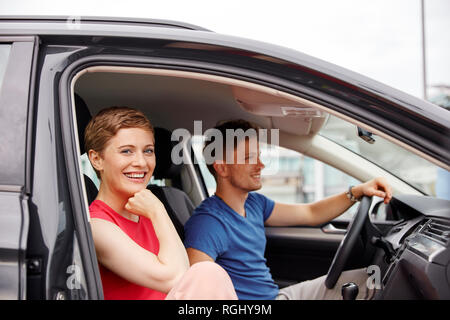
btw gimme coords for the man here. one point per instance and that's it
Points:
(228, 228)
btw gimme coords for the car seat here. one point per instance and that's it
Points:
(177, 203)
(83, 118)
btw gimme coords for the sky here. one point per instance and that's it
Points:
(381, 39)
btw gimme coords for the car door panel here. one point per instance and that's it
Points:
(13, 228)
(70, 262)
(297, 254)
(14, 218)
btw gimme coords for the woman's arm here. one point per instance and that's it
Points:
(119, 253)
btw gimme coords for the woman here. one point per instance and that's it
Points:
(139, 251)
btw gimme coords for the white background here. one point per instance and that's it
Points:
(378, 38)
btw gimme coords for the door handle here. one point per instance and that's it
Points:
(330, 229)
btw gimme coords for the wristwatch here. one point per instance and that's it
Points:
(350, 195)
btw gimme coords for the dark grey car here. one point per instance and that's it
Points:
(55, 73)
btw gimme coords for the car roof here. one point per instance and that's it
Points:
(377, 97)
(62, 21)
(178, 31)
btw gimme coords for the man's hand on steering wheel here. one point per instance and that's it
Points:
(376, 187)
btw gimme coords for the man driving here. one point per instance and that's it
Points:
(228, 227)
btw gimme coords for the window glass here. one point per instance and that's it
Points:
(4, 55)
(197, 146)
(414, 170)
(301, 179)
(88, 170)
(289, 177)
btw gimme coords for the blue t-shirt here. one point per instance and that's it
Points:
(236, 243)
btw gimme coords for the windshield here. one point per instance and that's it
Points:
(402, 163)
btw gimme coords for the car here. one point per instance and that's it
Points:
(324, 120)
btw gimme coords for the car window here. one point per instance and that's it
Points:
(289, 176)
(412, 169)
(88, 170)
(4, 55)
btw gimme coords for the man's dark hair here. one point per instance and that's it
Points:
(225, 128)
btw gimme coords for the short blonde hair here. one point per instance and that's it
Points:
(108, 122)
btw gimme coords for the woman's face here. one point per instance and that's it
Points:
(128, 161)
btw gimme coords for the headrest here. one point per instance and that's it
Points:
(83, 118)
(165, 169)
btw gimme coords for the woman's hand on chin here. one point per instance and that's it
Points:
(144, 203)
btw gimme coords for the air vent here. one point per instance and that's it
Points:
(437, 230)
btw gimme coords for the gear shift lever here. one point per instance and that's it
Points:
(349, 291)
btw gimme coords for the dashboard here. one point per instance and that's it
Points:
(419, 264)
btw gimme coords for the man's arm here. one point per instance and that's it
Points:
(205, 238)
(322, 211)
(195, 256)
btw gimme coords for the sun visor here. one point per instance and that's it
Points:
(300, 117)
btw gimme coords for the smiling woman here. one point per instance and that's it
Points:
(126, 168)
(120, 144)
(138, 248)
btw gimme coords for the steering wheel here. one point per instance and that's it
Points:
(348, 243)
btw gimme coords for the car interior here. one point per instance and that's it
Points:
(175, 99)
